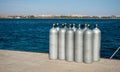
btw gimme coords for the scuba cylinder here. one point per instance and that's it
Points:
(53, 43)
(88, 48)
(96, 43)
(79, 45)
(61, 45)
(69, 41)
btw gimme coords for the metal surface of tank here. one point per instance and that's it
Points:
(69, 47)
(61, 45)
(96, 43)
(53, 43)
(79, 45)
(88, 48)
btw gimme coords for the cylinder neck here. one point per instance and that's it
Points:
(88, 26)
(79, 26)
(71, 25)
(54, 26)
(96, 25)
(63, 25)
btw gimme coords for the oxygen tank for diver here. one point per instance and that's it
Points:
(61, 45)
(79, 45)
(88, 48)
(69, 47)
(53, 43)
(96, 43)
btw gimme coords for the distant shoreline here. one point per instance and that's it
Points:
(59, 18)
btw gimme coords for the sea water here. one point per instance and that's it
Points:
(33, 34)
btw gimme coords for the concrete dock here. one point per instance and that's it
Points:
(18, 61)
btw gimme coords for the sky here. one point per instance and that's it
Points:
(60, 7)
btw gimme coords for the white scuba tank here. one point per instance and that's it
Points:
(88, 48)
(61, 45)
(96, 43)
(79, 45)
(69, 47)
(53, 43)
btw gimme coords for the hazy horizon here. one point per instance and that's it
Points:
(61, 7)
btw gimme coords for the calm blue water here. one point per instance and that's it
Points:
(33, 34)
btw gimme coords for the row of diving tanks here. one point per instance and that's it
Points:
(75, 44)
